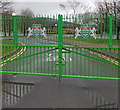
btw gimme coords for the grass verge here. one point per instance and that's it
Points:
(94, 41)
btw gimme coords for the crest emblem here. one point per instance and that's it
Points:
(36, 29)
(85, 30)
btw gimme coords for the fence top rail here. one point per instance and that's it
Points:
(65, 16)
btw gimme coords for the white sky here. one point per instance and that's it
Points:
(52, 0)
(45, 6)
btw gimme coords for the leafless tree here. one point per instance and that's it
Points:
(72, 7)
(108, 7)
(113, 7)
(26, 12)
(6, 10)
(6, 7)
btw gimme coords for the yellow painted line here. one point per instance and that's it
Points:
(15, 55)
(104, 57)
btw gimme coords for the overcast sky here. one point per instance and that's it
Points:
(52, 0)
(46, 6)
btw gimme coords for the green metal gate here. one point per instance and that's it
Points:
(60, 54)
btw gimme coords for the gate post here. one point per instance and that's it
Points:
(15, 30)
(110, 29)
(60, 43)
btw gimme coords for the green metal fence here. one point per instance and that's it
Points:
(61, 53)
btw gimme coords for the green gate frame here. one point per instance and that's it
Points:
(60, 47)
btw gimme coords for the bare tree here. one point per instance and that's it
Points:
(73, 6)
(113, 7)
(26, 12)
(108, 7)
(6, 7)
(6, 10)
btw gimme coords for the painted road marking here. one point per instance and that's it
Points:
(15, 55)
(52, 57)
(104, 57)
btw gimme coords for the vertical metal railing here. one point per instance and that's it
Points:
(110, 29)
(106, 28)
(15, 30)
(60, 43)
